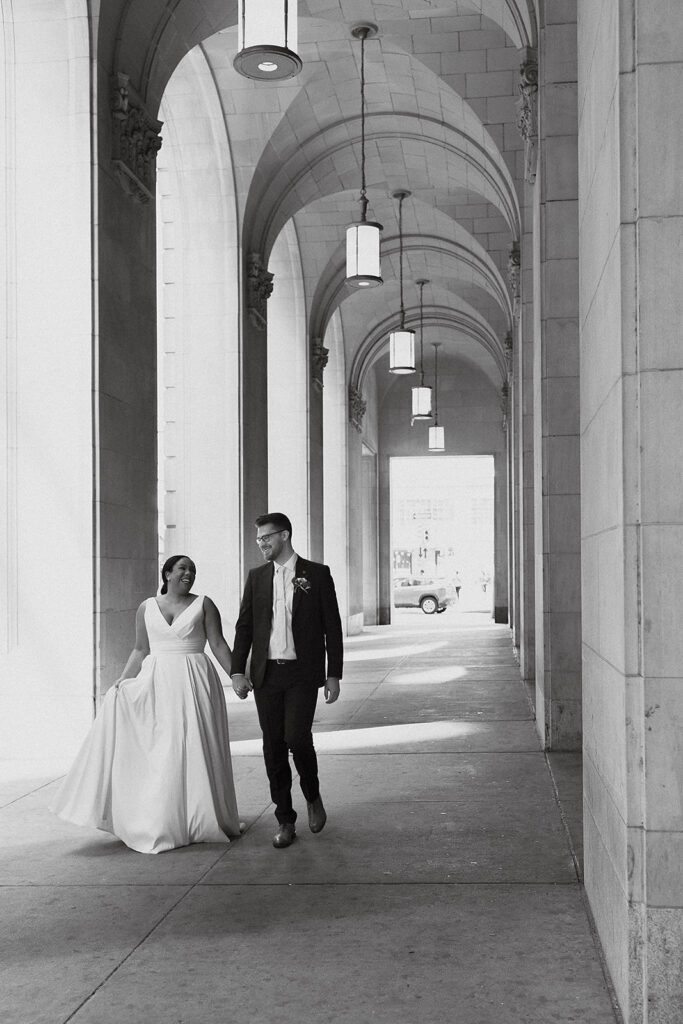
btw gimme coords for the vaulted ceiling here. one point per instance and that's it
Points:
(442, 87)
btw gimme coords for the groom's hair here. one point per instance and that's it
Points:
(278, 519)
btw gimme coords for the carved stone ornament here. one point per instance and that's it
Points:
(319, 357)
(357, 407)
(508, 352)
(527, 113)
(505, 403)
(259, 288)
(135, 141)
(514, 267)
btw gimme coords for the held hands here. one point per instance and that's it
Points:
(331, 689)
(241, 685)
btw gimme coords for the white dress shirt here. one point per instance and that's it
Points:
(281, 644)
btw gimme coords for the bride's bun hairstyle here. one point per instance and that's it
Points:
(167, 567)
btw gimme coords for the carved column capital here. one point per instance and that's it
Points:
(259, 288)
(357, 407)
(319, 357)
(527, 112)
(135, 140)
(514, 269)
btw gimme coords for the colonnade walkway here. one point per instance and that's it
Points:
(443, 889)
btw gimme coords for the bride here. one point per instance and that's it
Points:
(155, 767)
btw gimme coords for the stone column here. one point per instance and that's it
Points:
(316, 528)
(523, 360)
(631, 153)
(357, 408)
(48, 364)
(556, 395)
(370, 539)
(125, 375)
(500, 537)
(507, 404)
(386, 563)
(254, 435)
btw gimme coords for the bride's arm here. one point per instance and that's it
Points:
(214, 634)
(141, 649)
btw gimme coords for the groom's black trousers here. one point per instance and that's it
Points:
(286, 706)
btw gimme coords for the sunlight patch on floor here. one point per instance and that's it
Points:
(397, 651)
(374, 738)
(446, 674)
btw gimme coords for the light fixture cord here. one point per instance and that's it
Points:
(363, 195)
(400, 258)
(286, 23)
(422, 369)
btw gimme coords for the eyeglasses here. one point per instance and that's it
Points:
(267, 536)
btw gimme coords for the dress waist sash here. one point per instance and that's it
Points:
(178, 647)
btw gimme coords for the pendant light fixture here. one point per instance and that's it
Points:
(267, 39)
(362, 240)
(437, 441)
(402, 341)
(422, 396)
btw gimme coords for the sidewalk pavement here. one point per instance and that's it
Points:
(444, 887)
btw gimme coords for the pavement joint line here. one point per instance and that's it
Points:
(555, 884)
(542, 884)
(130, 952)
(31, 792)
(368, 696)
(154, 927)
(609, 984)
(563, 818)
(618, 1017)
(421, 753)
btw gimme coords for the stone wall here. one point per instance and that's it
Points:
(631, 238)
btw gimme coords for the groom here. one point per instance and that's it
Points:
(289, 619)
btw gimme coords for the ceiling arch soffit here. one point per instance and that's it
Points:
(522, 14)
(464, 321)
(332, 289)
(277, 196)
(152, 36)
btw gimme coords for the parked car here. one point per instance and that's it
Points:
(429, 595)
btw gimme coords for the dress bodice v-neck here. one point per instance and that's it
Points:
(185, 635)
(180, 614)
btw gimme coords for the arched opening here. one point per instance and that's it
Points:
(443, 534)
(288, 373)
(335, 426)
(198, 332)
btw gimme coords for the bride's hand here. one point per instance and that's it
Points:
(241, 685)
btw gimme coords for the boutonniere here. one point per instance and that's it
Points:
(301, 583)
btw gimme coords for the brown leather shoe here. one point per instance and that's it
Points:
(285, 835)
(316, 815)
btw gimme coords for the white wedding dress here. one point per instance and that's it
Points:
(155, 768)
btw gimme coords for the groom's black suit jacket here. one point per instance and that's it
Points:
(316, 625)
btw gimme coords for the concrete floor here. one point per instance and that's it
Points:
(443, 889)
